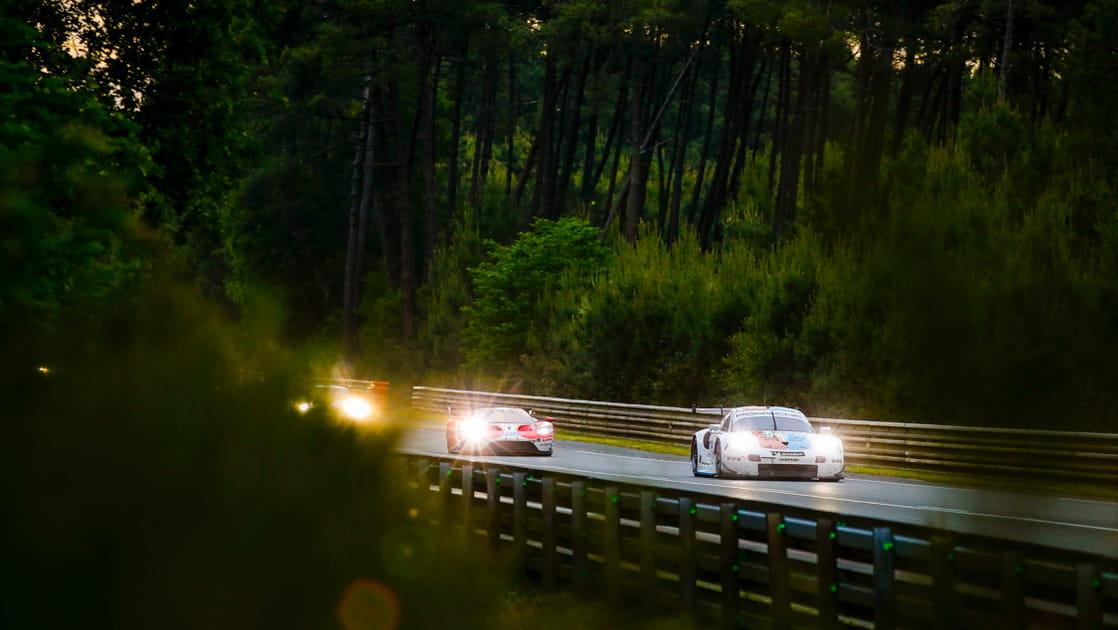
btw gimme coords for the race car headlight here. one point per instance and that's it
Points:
(544, 428)
(742, 440)
(355, 408)
(303, 406)
(830, 444)
(473, 430)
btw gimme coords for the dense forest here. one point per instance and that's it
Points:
(880, 210)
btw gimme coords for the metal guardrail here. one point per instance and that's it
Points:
(1063, 455)
(753, 564)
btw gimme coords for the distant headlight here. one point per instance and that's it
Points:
(355, 408)
(544, 428)
(473, 430)
(303, 406)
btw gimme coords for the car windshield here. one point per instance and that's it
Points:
(503, 414)
(772, 422)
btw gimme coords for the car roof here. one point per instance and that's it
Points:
(750, 410)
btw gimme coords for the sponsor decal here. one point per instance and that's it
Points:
(788, 453)
(797, 441)
(788, 459)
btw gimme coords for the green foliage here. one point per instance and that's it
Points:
(155, 480)
(445, 296)
(508, 287)
(70, 174)
(959, 305)
(771, 360)
(649, 327)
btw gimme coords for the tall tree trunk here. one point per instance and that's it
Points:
(573, 123)
(611, 137)
(784, 214)
(638, 159)
(456, 136)
(510, 138)
(904, 99)
(483, 145)
(704, 154)
(431, 224)
(743, 127)
(360, 189)
(679, 155)
(1007, 47)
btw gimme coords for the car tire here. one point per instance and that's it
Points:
(717, 458)
(694, 458)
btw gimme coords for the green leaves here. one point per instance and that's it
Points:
(70, 174)
(509, 286)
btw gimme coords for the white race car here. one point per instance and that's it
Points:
(763, 442)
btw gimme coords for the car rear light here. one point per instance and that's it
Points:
(544, 428)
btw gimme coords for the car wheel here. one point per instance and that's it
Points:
(717, 458)
(694, 458)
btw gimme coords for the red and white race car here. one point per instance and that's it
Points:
(766, 442)
(499, 430)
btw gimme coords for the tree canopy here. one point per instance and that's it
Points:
(922, 190)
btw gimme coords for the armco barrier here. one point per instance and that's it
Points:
(752, 564)
(1091, 457)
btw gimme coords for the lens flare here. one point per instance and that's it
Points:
(355, 408)
(369, 605)
(473, 430)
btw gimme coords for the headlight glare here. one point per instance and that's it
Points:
(544, 428)
(355, 408)
(473, 430)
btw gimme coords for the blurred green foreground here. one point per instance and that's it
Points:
(152, 483)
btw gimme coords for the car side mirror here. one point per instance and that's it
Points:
(715, 427)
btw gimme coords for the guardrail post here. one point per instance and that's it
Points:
(826, 573)
(444, 492)
(884, 595)
(580, 573)
(778, 570)
(493, 506)
(1013, 590)
(612, 532)
(547, 503)
(648, 547)
(688, 573)
(467, 502)
(1088, 599)
(520, 513)
(945, 599)
(423, 481)
(728, 552)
